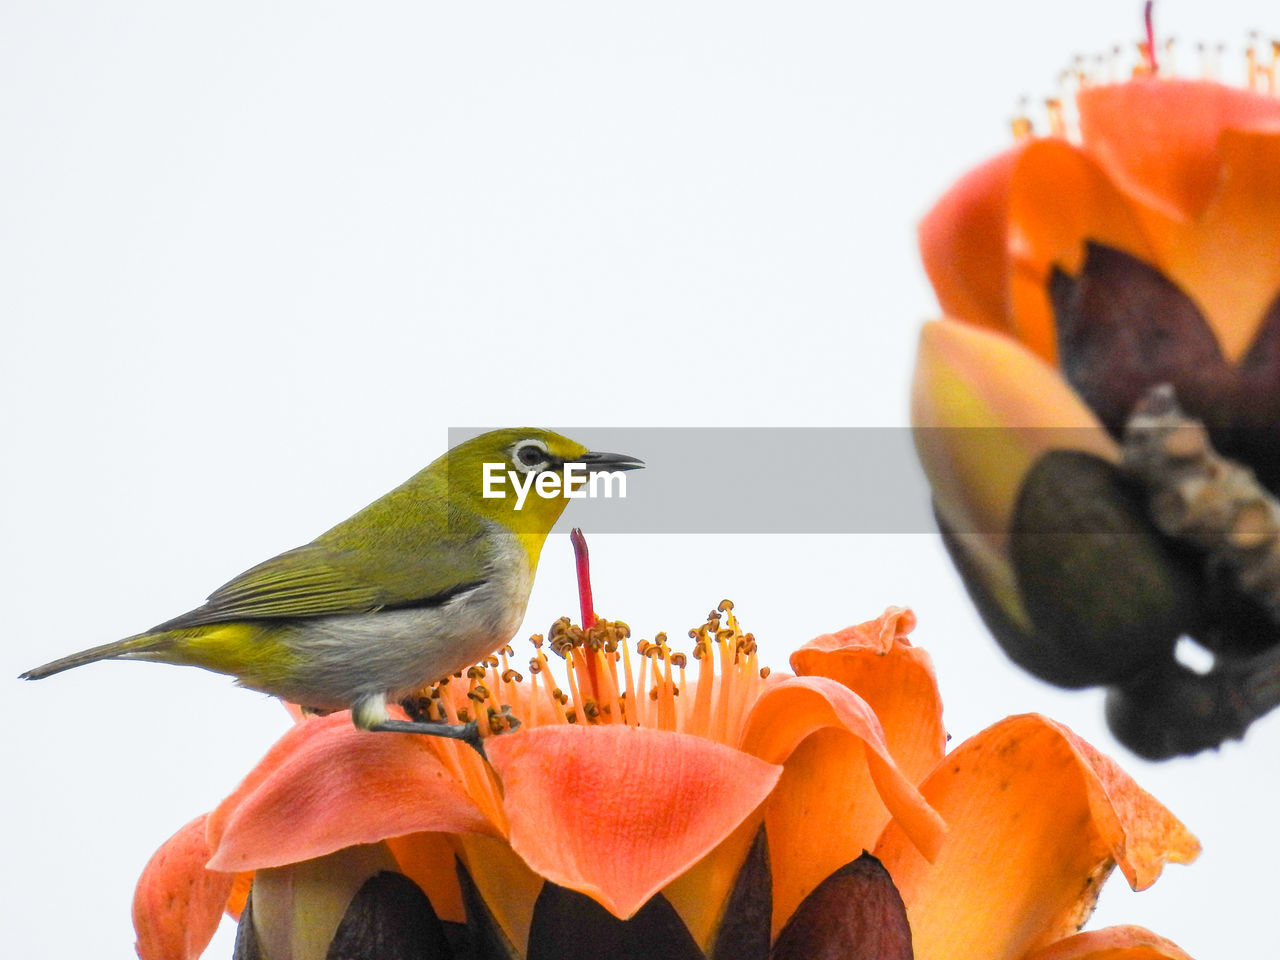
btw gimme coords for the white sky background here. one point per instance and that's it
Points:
(256, 259)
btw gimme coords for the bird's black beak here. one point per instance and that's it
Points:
(599, 462)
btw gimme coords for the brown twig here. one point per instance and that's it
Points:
(1201, 497)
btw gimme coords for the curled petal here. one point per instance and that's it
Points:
(617, 812)
(1036, 820)
(178, 903)
(326, 785)
(1159, 138)
(964, 242)
(1145, 835)
(789, 713)
(877, 662)
(1112, 943)
(839, 787)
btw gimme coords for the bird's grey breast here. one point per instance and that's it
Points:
(345, 657)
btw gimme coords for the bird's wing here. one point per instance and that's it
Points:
(321, 578)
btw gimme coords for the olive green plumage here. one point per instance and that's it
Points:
(422, 582)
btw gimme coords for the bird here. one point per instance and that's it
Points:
(420, 584)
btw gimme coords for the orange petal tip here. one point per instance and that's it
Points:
(1112, 943)
(1006, 794)
(178, 903)
(964, 243)
(877, 662)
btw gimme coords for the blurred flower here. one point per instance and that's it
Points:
(1078, 276)
(675, 808)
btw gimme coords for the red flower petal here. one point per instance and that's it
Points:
(877, 662)
(325, 785)
(617, 812)
(178, 903)
(964, 242)
(1159, 138)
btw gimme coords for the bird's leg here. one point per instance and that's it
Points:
(468, 733)
(371, 714)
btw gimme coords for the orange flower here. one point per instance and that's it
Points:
(675, 808)
(1076, 276)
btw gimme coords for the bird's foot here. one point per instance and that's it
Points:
(468, 733)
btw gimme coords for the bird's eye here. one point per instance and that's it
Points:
(530, 454)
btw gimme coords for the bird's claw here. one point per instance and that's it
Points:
(468, 733)
(510, 721)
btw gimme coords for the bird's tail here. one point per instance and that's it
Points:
(140, 647)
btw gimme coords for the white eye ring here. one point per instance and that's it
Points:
(525, 448)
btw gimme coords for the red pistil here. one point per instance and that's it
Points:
(583, 562)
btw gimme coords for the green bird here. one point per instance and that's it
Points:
(420, 584)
